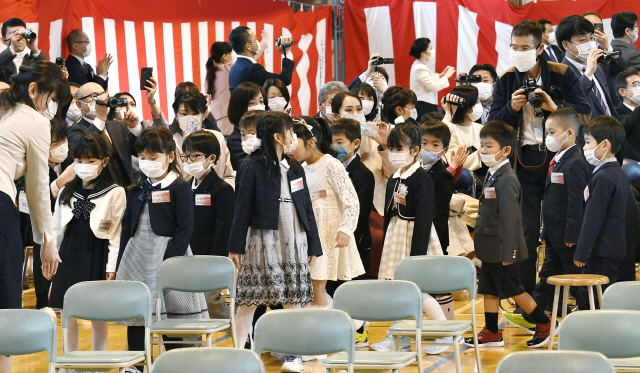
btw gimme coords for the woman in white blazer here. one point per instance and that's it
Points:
(424, 82)
(464, 131)
(87, 223)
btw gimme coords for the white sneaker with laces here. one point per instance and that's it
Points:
(385, 344)
(292, 364)
(441, 345)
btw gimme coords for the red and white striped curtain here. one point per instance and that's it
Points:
(174, 37)
(464, 32)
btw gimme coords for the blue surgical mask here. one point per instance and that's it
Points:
(342, 152)
(428, 158)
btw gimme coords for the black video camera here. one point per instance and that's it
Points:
(530, 86)
(377, 61)
(279, 43)
(459, 103)
(114, 102)
(469, 79)
(28, 34)
(608, 57)
(60, 61)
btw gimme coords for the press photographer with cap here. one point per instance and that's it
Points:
(22, 48)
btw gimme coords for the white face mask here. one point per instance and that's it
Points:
(190, 124)
(59, 153)
(92, 114)
(490, 159)
(583, 50)
(367, 107)
(433, 54)
(413, 113)
(51, 110)
(357, 117)
(400, 160)
(290, 148)
(327, 110)
(196, 169)
(477, 112)
(87, 172)
(74, 114)
(251, 144)
(87, 52)
(277, 103)
(485, 90)
(552, 38)
(153, 169)
(256, 107)
(523, 61)
(552, 142)
(590, 155)
(121, 113)
(636, 95)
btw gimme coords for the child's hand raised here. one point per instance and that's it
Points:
(459, 157)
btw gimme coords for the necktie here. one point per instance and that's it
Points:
(598, 95)
(485, 113)
(552, 165)
(553, 56)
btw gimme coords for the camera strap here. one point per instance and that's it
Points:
(519, 149)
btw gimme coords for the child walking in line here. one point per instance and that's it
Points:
(87, 223)
(274, 239)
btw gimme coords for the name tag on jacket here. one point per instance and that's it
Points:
(490, 193)
(203, 199)
(162, 196)
(296, 185)
(557, 178)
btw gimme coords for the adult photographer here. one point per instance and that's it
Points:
(513, 105)
(22, 48)
(424, 82)
(246, 69)
(485, 88)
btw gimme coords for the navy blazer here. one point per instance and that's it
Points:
(246, 71)
(589, 88)
(212, 224)
(630, 120)
(365, 183)
(234, 144)
(443, 182)
(557, 51)
(258, 204)
(82, 74)
(563, 203)
(173, 219)
(605, 215)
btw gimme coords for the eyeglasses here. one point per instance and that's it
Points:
(92, 95)
(194, 156)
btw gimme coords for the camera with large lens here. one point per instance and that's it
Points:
(530, 86)
(469, 79)
(279, 42)
(114, 102)
(377, 61)
(459, 103)
(608, 57)
(28, 34)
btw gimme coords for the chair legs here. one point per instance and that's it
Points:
(456, 354)
(475, 334)
(208, 340)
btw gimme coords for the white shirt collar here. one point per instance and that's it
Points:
(496, 167)
(560, 154)
(249, 58)
(348, 161)
(285, 163)
(407, 173)
(99, 123)
(168, 180)
(79, 59)
(20, 55)
(577, 64)
(629, 106)
(614, 159)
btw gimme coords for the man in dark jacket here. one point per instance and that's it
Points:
(20, 51)
(628, 86)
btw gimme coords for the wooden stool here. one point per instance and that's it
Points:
(573, 280)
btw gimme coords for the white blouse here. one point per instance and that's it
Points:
(25, 137)
(466, 136)
(425, 83)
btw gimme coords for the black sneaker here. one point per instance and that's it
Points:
(541, 337)
(487, 339)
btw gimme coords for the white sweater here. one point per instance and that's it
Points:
(425, 83)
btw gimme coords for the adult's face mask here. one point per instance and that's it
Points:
(523, 61)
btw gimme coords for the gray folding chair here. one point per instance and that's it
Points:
(438, 275)
(622, 296)
(306, 332)
(377, 300)
(25, 332)
(105, 301)
(614, 333)
(208, 360)
(555, 362)
(196, 274)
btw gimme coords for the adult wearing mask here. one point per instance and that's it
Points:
(217, 84)
(25, 111)
(73, 112)
(326, 93)
(485, 88)
(79, 71)
(247, 96)
(552, 51)
(423, 82)
(277, 96)
(628, 86)
(625, 32)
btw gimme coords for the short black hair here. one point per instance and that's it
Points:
(498, 130)
(12, 22)
(567, 118)
(239, 100)
(606, 127)
(620, 22)
(486, 67)
(431, 115)
(437, 129)
(470, 95)
(338, 100)
(239, 37)
(406, 133)
(592, 14)
(543, 22)
(250, 118)
(419, 45)
(348, 127)
(526, 28)
(621, 79)
(193, 101)
(384, 73)
(202, 141)
(58, 128)
(572, 26)
(393, 97)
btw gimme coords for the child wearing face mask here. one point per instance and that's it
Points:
(87, 224)
(158, 224)
(249, 131)
(274, 238)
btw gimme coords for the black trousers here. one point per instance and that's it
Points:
(599, 265)
(533, 180)
(135, 340)
(40, 283)
(11, 254)
(557, 261)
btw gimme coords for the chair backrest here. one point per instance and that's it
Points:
(200, 273)
(437, 274)
(376, 300)
(208, 360)
(305, 332)
(631, 168)
(622, 296)
(107, 301)
(615, 333)
(26, 332)
(555, 361)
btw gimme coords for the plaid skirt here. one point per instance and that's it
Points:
(397, 246)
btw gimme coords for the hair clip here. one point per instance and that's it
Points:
(304, 123)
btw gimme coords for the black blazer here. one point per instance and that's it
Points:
(604, 225)
(173, 219)
(563, 203)
(498, 235)
(258, 204)
(8, 68)
(83, 74)
(123, 142)
(364, 182)
(212, 224)
(443, 183)
(234, 144)
(629, 54)
(556, 50)
(419, 207)
(246, 71)
(589, 89)
(52, 177)
(630, 120)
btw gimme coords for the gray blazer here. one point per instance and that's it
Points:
(628, 53)
(499, 236)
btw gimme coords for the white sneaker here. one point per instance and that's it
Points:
(385, 344)
(292, 364)
(441, 345)
(313, 357)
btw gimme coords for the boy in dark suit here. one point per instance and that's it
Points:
(499, 239)
(602, 245)
(562, 207)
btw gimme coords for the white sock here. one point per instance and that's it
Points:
(446, 303)
(244, 318)
(73, 335)
(99, 336)
(432, 308)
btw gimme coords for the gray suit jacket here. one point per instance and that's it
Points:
(8, 68)
(499, 236)
(629, 54)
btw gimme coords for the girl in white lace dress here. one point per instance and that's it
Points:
(335, 206)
